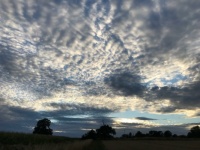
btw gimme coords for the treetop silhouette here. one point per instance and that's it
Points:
(104, 132)
(194, 132)
(43, 127)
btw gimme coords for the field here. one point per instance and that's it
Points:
(152, 145)
(19, 141)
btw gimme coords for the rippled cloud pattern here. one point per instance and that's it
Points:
(100, 56)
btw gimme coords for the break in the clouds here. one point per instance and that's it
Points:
(100, 56)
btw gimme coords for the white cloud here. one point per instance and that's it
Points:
(53, 52)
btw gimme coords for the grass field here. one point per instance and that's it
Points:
(152, 145)
(76, 145)
(20, 141)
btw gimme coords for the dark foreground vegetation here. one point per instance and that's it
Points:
(99, 139)
(20, 141)
(7, 138)
(107, 132)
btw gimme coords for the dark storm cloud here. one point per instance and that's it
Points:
(197, 114)
(76, 127)
(181, 98)
(74, 120)
(79, 109)
(125, 83)
(17, 119)
(75, 123)
(144, 118)
(17, 113)
(86, 121)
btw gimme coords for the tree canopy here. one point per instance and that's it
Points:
(90, 135)
(167, 133)
(194, 132)
(104, 132)
(43, 127)
(139, 134)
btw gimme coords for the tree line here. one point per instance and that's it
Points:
(193, 133)
(107, 132)
(151, 133)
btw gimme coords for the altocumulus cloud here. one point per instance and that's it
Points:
(100, 56)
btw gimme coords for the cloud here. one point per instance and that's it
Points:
(180, 98)
(17, 119)
(75, 125)
(125, 83)
(144, 118)
(75, 109)
(131, 125)
(108, 55)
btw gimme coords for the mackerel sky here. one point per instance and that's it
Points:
(132, 64)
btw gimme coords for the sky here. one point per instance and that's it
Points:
(131, 64)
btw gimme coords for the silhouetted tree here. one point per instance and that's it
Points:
(43, 127)
(130, 135)
(182, 136)
(127, 135)
(139, 134)
(105, 132)
(167, 133)
(194, 132)
(155, 133)
(90, 135)
(124, 136)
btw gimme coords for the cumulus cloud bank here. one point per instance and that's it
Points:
(100, 54)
